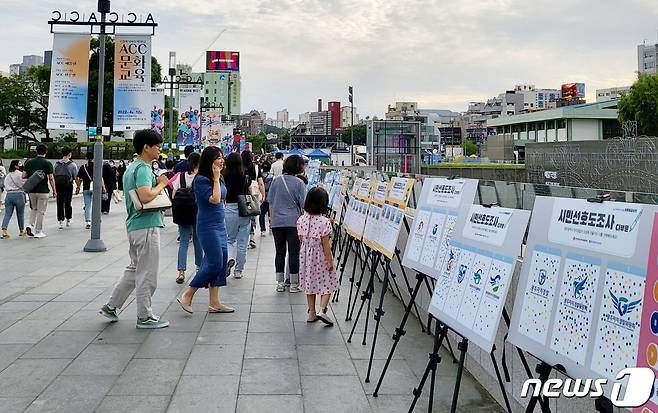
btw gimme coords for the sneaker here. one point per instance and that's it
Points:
(252, 245)
(237, 275)
(294, 288)
(69, 222)
(61, 224)
(229, 267)
(109, 312)
(23, 233)
(28, 231)
(263, 233)
(40, 234)
(325, 318)
(88, 225)
(280, 287)
(151, 322)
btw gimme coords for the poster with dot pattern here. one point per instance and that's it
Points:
(446, 236)
(574, 312)
(540, 293)
(618, 331)
(476, 279)
(459, 282)
(444, 281)
(495, 291)
(432, 239)
(415, 246)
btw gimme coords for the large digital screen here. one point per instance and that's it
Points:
(573, 90)
(219, 61)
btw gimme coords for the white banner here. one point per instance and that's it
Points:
(132, 82)
(69, 76)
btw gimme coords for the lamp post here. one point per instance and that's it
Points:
(351, 98)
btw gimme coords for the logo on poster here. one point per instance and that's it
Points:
(495, 283)
(461, 273)
(542, 277)
(579, 286)
(477, 277)
(622, 304)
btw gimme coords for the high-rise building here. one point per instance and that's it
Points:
(546, 96)
(614, 93)
(47, 58)
(305, 118)
(346, 117)
(320, 123)
(647, 57)
(28, 62)
(222, 88)
(334, 108)
(282, 115)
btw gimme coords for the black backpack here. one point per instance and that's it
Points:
(267, 180)
(183, 205)
(62, 173)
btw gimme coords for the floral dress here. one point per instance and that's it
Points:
(314, 277)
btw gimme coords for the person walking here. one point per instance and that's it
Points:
(110, 184)
(121, 170)
(40, 194)
(256, 187)
(317, 275)
(277, 166)
(3, 193)
(85, 180)
(210, 193)
(237, 227)
(184, 210)
(182, 166)
(15, 199)
(265, 206)
(143, 229)
(65, 172)
(286, 197)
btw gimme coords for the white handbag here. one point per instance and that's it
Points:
(161, 202)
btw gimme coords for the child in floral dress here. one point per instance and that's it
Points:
(316, 264)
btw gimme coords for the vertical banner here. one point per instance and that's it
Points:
(157, 110)
(67, 102)
(189, 118)
(132, 82)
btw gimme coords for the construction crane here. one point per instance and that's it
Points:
(203, 53)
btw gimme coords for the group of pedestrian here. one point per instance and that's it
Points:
(209, 192)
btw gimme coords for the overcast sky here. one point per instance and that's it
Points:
(441, 54)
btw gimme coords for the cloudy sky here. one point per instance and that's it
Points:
(441, 54)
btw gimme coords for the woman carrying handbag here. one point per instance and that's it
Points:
(237, 227)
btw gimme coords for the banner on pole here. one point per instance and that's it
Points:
(189, 118)
(69, 74)
(157, 110)
(132, 82)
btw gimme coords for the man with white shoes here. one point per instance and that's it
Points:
(40, 194)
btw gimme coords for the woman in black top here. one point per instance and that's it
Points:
(237, 227)
(110, 181)
(257, 188)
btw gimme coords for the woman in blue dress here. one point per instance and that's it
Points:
(210, 193)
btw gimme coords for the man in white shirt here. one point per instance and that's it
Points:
(277, 166)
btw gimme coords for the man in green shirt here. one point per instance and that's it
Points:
(143, 234)
(39, 195)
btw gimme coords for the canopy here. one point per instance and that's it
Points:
(317, 153)
(296, 151)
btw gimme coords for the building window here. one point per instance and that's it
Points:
(206, 91)
(561, 123)
(611, 128)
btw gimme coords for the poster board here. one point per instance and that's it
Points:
(471, 289)
(372, 230)
(439, 205)
(580, 296)
(355, 221)
(132, 82)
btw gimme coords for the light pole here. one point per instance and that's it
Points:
(172, 73)
(351, 97)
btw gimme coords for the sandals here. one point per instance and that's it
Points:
(181, 278)
(222, 309)
(312, 318)
(186, 307)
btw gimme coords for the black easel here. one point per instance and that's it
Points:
(434, 359)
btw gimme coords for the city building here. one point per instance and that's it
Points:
(529, 96)
(305, 117)
(346, 117)
(28, 62)
(282, 115)
(47, 58)
(394, 145)
(256, 121)
(545, 97)
(320, 123)
(400, 110)
(647, 56)
(222, 88)
(614, 93)
(334, 109)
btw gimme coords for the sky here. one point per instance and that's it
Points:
(441, 54)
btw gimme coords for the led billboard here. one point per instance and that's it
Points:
(220, 61)
(573, 91)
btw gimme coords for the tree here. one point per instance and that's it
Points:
(360, 132)
(470, 148)
(641, 105)
(257, 140)
(24, 104)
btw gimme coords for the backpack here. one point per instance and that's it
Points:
(184, 208)
(62, 173)
(267, 180)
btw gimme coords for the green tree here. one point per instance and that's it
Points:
(257, 140)
(360, 132)
(470, 148)
(24, 104)
(641, 105)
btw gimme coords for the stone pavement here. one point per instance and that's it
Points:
(57, 354)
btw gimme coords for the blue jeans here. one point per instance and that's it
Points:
(264, 210)
(185, 231)
(87, 196)
(14, 200)
(237, 229)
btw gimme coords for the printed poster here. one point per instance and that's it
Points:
(584, 280)
(157, 110)
(132, 82)
(189, 121)
(69, 75)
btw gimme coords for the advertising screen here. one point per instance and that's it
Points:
(220, 61)
(573, 91)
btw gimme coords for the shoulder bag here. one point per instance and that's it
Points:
(161, 202)
(248, 205)
(301, 210)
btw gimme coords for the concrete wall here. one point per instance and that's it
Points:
(585, 129)
(486, 174)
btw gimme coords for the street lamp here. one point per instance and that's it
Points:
(172, 73)
(351, 98)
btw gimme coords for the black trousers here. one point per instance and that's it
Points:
(64, 197)
(286, 237)
(105, 205)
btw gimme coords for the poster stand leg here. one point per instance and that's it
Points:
(544, 371)
(379, 312)
(429, 316)
(500, 379)
(603, 405)
(400, 331)
(434, 360)
(463, 348)
(366, 295)
(409, 289)
(344, 255)
(351, 300)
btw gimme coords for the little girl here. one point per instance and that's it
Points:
(316, 264)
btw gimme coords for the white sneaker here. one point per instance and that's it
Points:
(69, 222)
(88, 225)
(61, 224)
(237, 275)
(294, 288)
(40, 234)
(325, 318)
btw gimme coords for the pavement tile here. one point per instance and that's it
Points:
(73, 394)
(133, 404)
(28, 331)
(325, 361)
(223, 333)
(270, 404)
(14, 404)
(28, 378)
(163, 344)
(334, 394)
(102, 359)
(149, 377)
(270, 376)
(215, 359)
(61, 344)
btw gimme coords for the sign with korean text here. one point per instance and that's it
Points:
(69, 75)
(132, 82)
(372, 230)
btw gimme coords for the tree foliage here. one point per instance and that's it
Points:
(641, 105)
(24, 104)
(470, 148)
(258, 141)
(360, 132)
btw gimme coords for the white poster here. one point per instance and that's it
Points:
(69, 76)
(132, 82)
(580, 296)
(440, 203)
(472, 287)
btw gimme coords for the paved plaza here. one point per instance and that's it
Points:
(57, 354)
